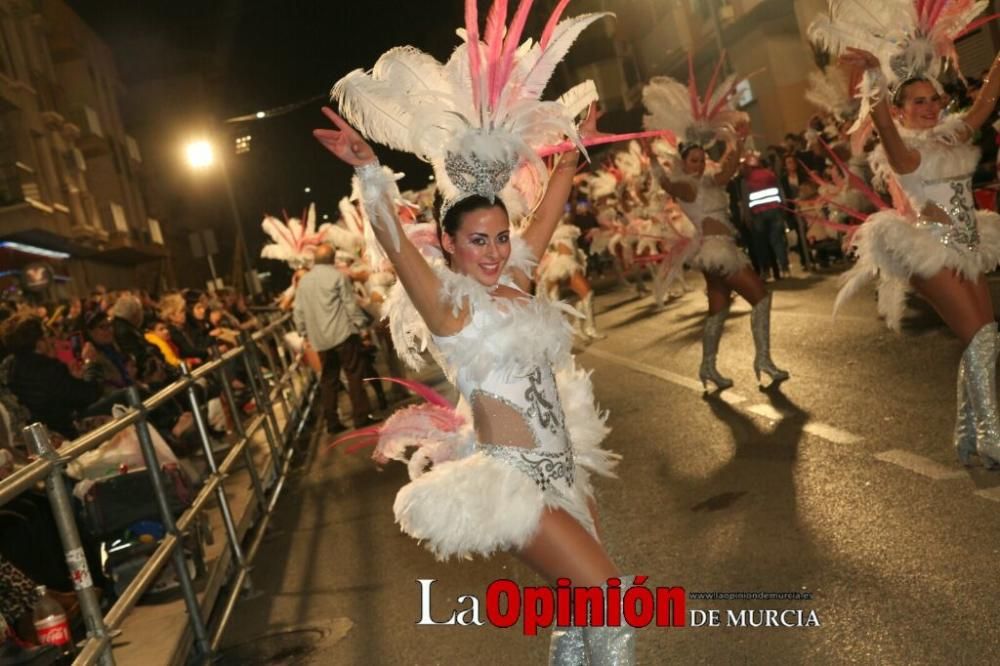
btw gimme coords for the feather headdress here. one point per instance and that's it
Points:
(295, 241)
(830, 90)
(911, 38)
(478, 117)
(698, 120)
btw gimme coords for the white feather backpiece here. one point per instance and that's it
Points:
(911, 38)
(830, 91)
(701, 120)
(294, 242)
(484, 103)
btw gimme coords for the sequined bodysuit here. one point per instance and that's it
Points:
(516, 408)
(945, 206)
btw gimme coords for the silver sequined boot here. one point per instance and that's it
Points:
(611, 646)
(710, 349)
(760, 324)
(567, 647)
(589, 326)
(965, 420)
(980, 361)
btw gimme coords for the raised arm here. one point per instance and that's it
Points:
(550, 209)
(901, 158)
(983, 107)
(682, 190)
(730, 161)
(418, 278)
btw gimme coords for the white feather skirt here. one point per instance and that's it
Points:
(479, 505)
(891, 249)
(719, 254)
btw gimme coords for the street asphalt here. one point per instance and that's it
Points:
(841, 483)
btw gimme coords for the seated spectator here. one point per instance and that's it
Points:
(104, 363)
(127, 315)
(159, 335)
(41, 383)
(174, 312)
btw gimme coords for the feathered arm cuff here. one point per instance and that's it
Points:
(871, 90)
(378, 195)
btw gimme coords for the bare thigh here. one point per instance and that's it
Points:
(718, 293)
(563, 548)
(963, 305)
(748, 284)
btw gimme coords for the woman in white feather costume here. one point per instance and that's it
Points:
(565, 263)
(939, 245)
(934, 241)
(519, 480)
(700, 191)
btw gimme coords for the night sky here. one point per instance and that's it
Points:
(265, 54)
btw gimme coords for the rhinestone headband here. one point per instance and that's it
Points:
(471, 176)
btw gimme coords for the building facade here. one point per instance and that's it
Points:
(71, 177)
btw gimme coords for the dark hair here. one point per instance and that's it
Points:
(686, 149)
(452, 220)
(897, 96)
(21, 334)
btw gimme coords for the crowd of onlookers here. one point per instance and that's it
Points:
(67, 365)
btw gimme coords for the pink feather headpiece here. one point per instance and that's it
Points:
(697, 119)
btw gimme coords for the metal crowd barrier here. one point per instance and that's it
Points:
(287, 374)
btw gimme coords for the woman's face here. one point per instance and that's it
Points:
(481, 246)
(102, 333)
(921, 106)
(791, 166)
(694, 162)
(198, 311)
(178, 317)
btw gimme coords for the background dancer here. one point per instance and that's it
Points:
(701, 194)
(935, 241)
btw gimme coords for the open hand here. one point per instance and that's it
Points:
(344, 142)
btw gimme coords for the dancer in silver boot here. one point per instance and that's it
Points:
(980, 361)
(965, 420)
(933, 240)
(710, 350)
(760, 324)
(567, 647)
(611, 646)
(700, 190)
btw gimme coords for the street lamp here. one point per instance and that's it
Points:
(201, 155)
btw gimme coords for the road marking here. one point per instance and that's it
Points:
(832, 434)
(992, 494)
(920, 465)
(680, 380)
(818, 429)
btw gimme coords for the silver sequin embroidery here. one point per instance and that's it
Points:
(542, 467)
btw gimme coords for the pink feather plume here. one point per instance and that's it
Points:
(493, 36)
(472, 37)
